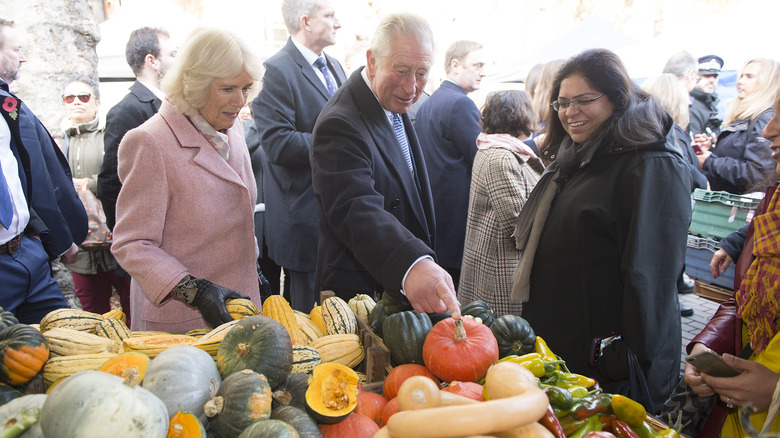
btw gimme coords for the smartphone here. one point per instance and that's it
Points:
(710, 362)
(599, 344)
(696, 148)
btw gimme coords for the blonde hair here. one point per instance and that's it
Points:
(542, 93)
(751, 106)
(673, 96)
(209, 53)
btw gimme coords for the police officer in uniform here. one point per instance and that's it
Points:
(704, 100)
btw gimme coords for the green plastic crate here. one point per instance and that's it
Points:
(718, 214)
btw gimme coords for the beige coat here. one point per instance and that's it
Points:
(183, 210)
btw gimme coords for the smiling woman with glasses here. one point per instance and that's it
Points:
(603, 234)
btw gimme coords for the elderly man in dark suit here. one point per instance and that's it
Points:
(448, 125)
(41, 216)
(298, 81)
(150, 53)
(373, 195)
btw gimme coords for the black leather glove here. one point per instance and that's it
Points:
(265, 285)
(207, 297)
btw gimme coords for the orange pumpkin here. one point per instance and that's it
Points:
(354, 426)
(471, 390)
(399, 374)
(371, 405)
(23, 350)
(461, 350)
(390, 408)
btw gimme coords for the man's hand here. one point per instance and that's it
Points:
(70, 255)
(429, 289)
(719, 263)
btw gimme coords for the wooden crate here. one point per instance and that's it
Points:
(376, 364)
(712, 292)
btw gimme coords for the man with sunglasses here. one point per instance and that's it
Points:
(41, 216)
(150, 52)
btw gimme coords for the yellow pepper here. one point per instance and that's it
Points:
(628, 410)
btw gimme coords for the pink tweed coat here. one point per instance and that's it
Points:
(183, 210)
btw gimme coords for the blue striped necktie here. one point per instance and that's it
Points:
(400, 134)
(6, 206)
(331, 83)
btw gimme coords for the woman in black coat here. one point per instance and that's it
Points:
(603, 234)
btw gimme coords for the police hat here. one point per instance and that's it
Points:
(710, 65)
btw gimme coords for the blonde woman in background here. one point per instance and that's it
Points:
(668, 89)
(541, 105)
(741, 157)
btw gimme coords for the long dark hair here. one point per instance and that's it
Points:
(637, 119)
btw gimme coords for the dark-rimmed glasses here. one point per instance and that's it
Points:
(558, 105)
(69, 98)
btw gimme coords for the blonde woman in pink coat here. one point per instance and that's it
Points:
(185, 214)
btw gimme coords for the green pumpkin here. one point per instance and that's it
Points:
(479, 309)
(269, 429)
(258, 343)
(377, 317)
(23, 351)
(243, 398)
(436, 317)
(514, 335)
(302, 422)
(404, 335)
(292, 392)
(394, 304)
(8, 393)
(7, 319)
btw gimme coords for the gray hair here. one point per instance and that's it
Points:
(396, 25)
(3, 24)
(82, 79)
(293, 10)
(209, 53)
(680, 64)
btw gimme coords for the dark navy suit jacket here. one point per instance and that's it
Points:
(375, 217)
(56, 212)
(285, 111)
(448, 124)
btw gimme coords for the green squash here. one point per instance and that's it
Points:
(292, 392)
(302, 422)
(404, 335)
(479, 309)
(23, 351)
(258, 343)
(269, 429)
(394, 304)
(243, 399)
(27, 407)
(436, 317)
(377, 317)
(514, 335)
(8, 393)
(7, 319)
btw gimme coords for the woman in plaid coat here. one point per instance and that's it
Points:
(504, 173)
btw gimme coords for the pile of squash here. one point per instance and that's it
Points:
(221, 380)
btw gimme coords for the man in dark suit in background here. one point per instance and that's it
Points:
(41, 216)
(298, 80)
(373, 196)
(150, 53)
(448, 125)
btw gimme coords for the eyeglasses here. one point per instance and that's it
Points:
(69, 98)
(558, 105)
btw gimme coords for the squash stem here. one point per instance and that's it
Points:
(460, 331)
(20, 423)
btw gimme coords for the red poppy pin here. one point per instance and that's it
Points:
(9, 106)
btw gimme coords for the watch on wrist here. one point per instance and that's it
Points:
(185, 290)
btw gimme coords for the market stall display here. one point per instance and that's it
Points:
(250, 378)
